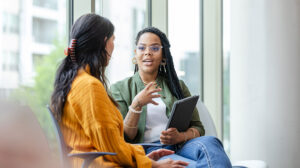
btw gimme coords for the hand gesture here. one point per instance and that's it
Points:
(145, 96)
(171, 136)
(157, 154)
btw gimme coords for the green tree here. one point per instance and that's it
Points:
(38, 96)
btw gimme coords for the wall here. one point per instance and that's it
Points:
(265, 81)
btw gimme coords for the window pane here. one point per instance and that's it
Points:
(51, 4)
(10, 23)
(184, 35)
(10, 61)
(32, 39)
(44, 30)
(128, 18)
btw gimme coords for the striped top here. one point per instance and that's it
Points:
(91, 122)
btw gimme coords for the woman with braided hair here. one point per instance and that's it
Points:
(89, 118)
(146, 99)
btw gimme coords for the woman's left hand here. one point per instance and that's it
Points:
(157, 154)
(171, 136)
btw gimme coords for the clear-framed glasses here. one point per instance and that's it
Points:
(152, 48)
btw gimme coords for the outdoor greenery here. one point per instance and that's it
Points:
(38, 96)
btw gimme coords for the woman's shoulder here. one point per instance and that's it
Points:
(122, 83)
(182, 84)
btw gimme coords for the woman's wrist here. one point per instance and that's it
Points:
(193, 131)
(138, 111)
(187, 135)
(183, 137)
(136, 105)
(154, 163)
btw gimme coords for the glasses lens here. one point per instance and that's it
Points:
(141, 48)
(154, 48)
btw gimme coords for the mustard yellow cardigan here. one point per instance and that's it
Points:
(91, 122)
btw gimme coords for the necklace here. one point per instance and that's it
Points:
(148, 83)
(155, 84)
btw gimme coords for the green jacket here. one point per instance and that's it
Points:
(125, 90)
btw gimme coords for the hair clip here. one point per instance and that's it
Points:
(70, 51)
(67, 51)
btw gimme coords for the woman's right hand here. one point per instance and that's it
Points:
(145, 96)
(167, 163)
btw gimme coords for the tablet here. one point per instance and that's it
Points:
(181, 113)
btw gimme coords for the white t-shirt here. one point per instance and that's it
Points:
(156, 120)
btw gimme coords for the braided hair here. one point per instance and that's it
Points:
(167, 71)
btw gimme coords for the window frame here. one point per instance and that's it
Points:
(211, 51)
(211, 46)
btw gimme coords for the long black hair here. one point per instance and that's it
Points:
(168, 71)
(89, 33)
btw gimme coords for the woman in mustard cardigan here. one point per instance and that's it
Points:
(88, 116)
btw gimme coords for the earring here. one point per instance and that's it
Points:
(134, 60)
(163, 64)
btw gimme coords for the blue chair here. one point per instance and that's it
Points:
(88, 157)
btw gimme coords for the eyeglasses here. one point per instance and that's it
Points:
(153, 48)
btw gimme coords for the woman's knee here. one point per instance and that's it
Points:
(207, 141)
(208, 150)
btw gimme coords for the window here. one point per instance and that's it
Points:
(128, 18)
(44, 30)
(184, 35)
(21, 37)
(10, 61)
(25, 36)
(51, 4)
(10, 22)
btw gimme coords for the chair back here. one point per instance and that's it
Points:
(205, 117)
(62, 147)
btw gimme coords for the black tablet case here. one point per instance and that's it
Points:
(181, 113)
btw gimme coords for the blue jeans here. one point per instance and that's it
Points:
(202, 152)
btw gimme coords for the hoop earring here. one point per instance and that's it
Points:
(134, 60)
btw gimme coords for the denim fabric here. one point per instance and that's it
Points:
(192, 163)
(203, 152)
